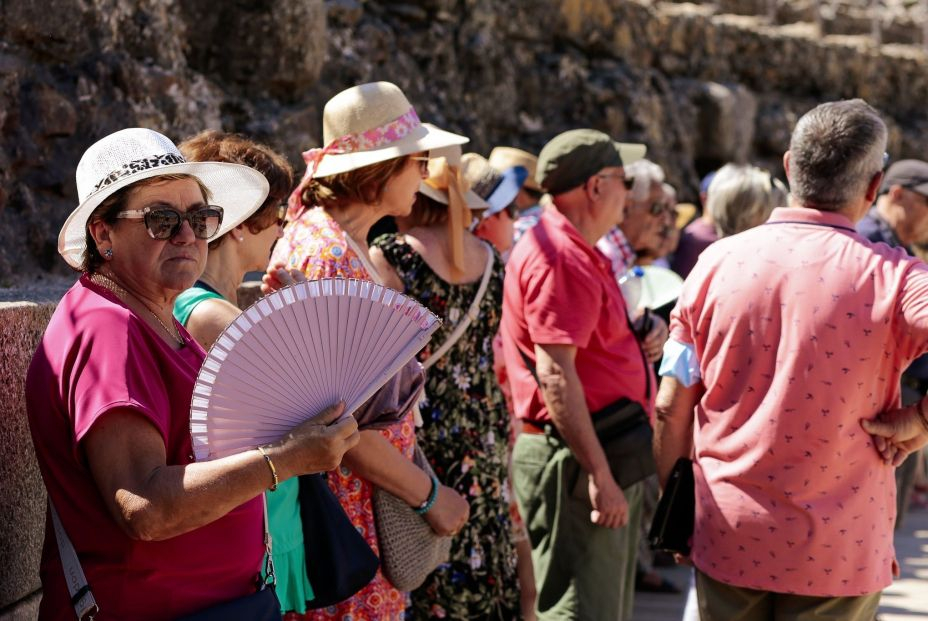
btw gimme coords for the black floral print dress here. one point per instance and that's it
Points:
(465, 436)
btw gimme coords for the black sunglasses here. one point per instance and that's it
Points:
(629, 182)
(164, 222)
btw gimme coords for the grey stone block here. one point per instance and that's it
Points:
(22, 495)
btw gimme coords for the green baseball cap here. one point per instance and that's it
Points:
(570, 158)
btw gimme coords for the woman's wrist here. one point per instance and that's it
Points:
(429, 502)
(275, 479)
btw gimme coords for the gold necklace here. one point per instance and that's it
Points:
(108, 283)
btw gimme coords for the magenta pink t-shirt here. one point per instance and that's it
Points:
(97, 356)
(559, 290)
(802, 327)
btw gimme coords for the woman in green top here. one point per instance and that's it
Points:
(212, 303)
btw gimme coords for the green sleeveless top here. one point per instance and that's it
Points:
(283, 506)
(188, 300)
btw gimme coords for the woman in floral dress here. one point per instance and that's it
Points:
(371, 167)
(465, 423)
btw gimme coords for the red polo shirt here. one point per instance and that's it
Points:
(559, 290)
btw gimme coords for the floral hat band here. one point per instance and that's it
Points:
(368, 140)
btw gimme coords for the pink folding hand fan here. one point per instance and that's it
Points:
(297, 351)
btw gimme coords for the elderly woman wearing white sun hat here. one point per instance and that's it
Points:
(375, 156)
(156, 535)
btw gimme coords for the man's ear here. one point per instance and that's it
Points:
(786, 164)
(874, 187)
(591, 188)
(896, 193)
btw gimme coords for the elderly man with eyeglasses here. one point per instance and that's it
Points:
(642, 227)
(571, 354)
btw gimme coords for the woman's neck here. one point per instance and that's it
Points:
(146, 305)
(356, 219)
(224, 272)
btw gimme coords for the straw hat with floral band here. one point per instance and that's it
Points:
(134, 154)
(365, 125)
(446, 185)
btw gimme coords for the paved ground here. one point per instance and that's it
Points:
(905, 600)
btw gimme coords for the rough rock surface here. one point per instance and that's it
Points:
(22, 495)
(699, 83)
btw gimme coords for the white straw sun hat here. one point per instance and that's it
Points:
(134, 154)
(371, 123)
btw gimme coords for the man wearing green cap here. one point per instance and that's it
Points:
(570, 351)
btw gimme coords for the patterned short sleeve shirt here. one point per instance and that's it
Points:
(802, 327)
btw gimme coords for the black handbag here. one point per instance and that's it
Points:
(674, 519)
(260, 606)
(339, 563)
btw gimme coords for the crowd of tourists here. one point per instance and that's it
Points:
(786, 367)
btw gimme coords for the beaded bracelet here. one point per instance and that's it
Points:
(430, 502)
(270, 465)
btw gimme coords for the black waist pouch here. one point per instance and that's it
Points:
(625, 433)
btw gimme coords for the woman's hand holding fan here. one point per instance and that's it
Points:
(316, 445)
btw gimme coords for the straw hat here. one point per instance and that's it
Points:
(134, 154)
(371, 123)
(502, 158)
(497, 188)
(446, 185)
(436, 187)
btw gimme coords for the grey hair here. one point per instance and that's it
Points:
(646, 173)
(670, 192)
(741, 197)
(834, 151)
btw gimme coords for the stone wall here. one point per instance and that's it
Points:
(22, 495)
(698, 87)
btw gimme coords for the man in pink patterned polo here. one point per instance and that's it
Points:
(784, 338)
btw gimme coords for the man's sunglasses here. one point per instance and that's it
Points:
(629, 182)
(164, 222)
